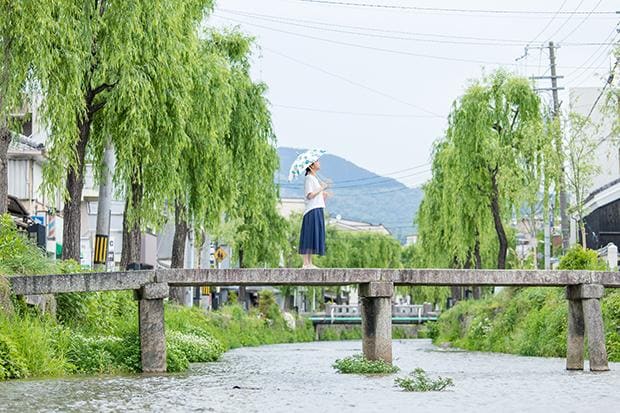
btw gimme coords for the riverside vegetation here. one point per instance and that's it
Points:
(357, 364)
(526, 321)
(416, 381)
(97, 333)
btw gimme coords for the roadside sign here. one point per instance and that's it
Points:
(220, 254)
(39, 219)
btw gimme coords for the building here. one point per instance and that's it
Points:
(602, 205)
(350, 225)
(290, 206)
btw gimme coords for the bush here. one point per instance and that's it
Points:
(11, 364)
(18, 255)
(419, 381)
(92, 355)
(268, 307)
(196, 348)
(578, 258)
(357, 364)
(176, 361)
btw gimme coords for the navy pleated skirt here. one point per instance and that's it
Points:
(312, 237)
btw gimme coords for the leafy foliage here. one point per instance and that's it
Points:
(357, 364)
(18, 254)
(418, 381)
(496, 156)
(582, 165)
(579, 258)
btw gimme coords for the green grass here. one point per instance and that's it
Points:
(357, 364)
(418, 381)
(526, 321)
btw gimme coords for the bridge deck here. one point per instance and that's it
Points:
(131, 280)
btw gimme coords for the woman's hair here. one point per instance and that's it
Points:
(308, 170)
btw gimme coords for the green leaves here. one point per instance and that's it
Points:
(418, 381)
(497, 156)
(357, 364)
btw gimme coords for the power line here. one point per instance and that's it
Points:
(608, 82)
(371, 29)
(451, 10)
(606, 53)
(582, 21)
(313, 25)
(378, 49)
(609, 38)
(338, 112)
(352, 82)
(548, 23)
(367, 47)
(382, 181)
(555, 33)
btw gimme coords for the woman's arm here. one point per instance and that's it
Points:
(312, 195)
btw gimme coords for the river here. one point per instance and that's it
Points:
(299, 378)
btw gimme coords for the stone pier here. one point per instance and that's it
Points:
(585, 319)
(151, 325)
(377, 320)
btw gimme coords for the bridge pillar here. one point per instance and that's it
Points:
(585, 316)
(376, 300)
(151, 324)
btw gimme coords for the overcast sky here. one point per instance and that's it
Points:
(375, 84)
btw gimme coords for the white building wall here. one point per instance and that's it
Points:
(607, 153)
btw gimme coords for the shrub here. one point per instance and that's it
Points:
(357, 364)
(267, 306)
(578, 258)
(196, 348)
(12, 366)
(18, 255)
(91, 355)
(176, 361)
(419, 381)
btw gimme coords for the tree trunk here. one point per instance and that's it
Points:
(242, 291)
(132, 235)
(5, 140)
(582, 229)
(499, 226)
(181, 229)
(72, 216)
(477, 290)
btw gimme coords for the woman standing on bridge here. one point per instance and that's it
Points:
(312, 236)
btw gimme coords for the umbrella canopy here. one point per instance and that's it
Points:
(303, 161)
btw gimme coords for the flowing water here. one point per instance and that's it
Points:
(299, 378)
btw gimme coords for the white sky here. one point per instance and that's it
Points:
(391, 106)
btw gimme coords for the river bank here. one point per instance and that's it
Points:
(97, 333)
(299, 378)
(523, 321)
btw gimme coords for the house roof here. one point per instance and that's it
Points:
(602, 196)
(23, 147)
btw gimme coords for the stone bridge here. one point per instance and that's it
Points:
(584, 290)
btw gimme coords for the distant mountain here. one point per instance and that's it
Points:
(359, 194)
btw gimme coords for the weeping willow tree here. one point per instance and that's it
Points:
(225, 174)
(203, 190)
(38, 44)
(261, 231)
(497, 157)
(123, 77)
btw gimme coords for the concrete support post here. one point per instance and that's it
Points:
(596, 334)
(585, 307)
(151, 324)
(376, 306)
(576, 332)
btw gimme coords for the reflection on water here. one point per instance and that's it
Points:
(299, 378)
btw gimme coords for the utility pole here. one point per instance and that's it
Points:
(548, 214)
(565, 225)
(102, 234)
